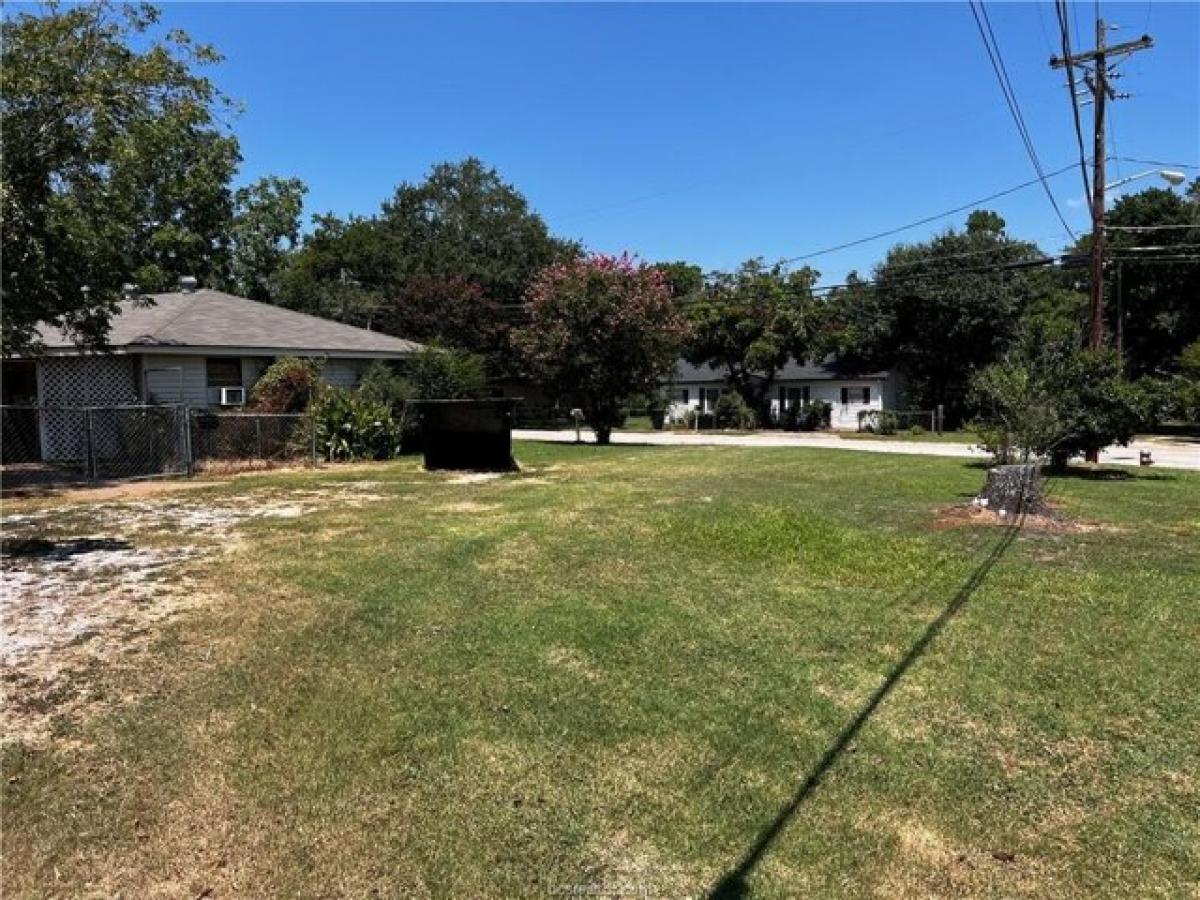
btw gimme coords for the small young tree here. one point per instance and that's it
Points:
(601, 329)
(1048, 398)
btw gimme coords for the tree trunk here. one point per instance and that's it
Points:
(1014, 489)
(603, 433)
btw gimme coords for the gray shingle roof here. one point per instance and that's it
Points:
(213, 320)
(827, 369)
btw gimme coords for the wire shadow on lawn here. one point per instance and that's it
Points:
(733, 884)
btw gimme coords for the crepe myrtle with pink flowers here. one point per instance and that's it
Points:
(601, 328)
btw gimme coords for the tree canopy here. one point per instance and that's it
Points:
(440, 262)
(939, 310)
(115, 167)
(1156, 298)
(265, 227)
(749, 322)
(600, 330)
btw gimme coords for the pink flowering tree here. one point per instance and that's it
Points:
(601, 328)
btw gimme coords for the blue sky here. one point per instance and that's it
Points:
(700, 132)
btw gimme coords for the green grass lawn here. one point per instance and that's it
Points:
(662, 670)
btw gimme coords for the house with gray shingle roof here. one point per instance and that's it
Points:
(847, 391)
(188, 345)
(193, 347)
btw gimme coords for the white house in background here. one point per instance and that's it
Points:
(847, 392)
(192, 347)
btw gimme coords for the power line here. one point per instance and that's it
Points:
(1158, 162)
(982, 22)
(1060, 9)
(1151, 227)
(925, 221)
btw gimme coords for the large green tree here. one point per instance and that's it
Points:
(749, 322)
(940, 310)
(115, 166)
(446, 259)
(1158, 300)
(600, 330)
(265, 228)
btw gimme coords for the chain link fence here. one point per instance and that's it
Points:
(51, 445)
(221, 439)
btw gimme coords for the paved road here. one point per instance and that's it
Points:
(1176, 453)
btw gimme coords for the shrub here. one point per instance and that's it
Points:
(350, 426)
(815, 416)
(382, 384)
(878, 421)
(439, 374)
(731, 411)
(287, 386)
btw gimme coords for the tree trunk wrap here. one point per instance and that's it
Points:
(1014, 489)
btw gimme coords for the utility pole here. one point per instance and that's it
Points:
(1095, 65)
(1097, 73)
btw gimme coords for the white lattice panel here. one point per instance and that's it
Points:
(87, 381)
(69, 382)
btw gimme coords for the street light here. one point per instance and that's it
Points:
(1170, 176)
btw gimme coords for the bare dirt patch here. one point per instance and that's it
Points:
(84, 585)
(961, 515)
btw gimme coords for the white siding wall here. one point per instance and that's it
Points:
(678, 407)
(184, 379)
(344, 373)
(842, 417)
(175, 379)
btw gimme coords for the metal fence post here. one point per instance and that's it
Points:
(89, 446)
(313, 434)
(258, 437)
(188, 459)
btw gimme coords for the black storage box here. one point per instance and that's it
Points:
(475, 435)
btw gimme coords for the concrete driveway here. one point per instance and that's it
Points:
(1176, 453)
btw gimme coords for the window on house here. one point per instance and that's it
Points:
(683, 395)
(805, 397)
(845, 396)
(866, 396)
(223, 371)
(792, 397)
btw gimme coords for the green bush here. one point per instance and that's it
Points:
(815, 416)
(350, 426)
(731, 411)
(287, 386)
(1047, 398)
(382, 384)
(878, 421)
(439, 374)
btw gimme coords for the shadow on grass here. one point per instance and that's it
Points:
(733, 884)
(39, 548)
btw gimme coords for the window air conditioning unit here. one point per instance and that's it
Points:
(233, 396)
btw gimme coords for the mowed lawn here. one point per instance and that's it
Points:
(657, 671)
